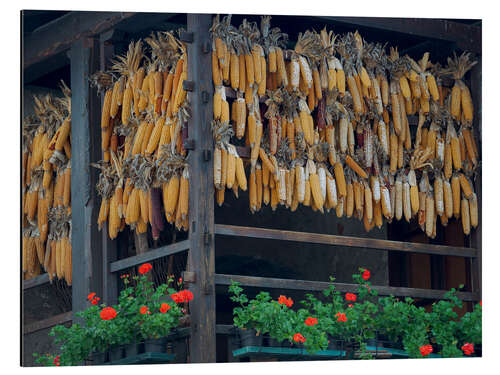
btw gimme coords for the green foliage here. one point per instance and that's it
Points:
(399, 320)
(95, 334)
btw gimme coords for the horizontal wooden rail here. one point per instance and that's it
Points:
(149, 256)
(49, 322)
(36, 281)
(274, 283)
(331, 239)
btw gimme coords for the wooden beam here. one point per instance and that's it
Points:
(149, 256)
(201, 259)
(86, 240)
(274, 283)
(466, 37)
(331, 239)
(62, 33)
(47, 323)
(476, 235)
(36, 281)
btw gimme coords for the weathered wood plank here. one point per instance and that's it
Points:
(63, 32)
(36, 281)
(331, 239)
(86, 240)
(274, 283)
(476, 235)
(201, 259)
(465, 36)
(47, 323)
(149, 256)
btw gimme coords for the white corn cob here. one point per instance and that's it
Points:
(375, 186)
(398, 186)
(350, 138)
(438, 195)
(382, 136)
(301, 183)
(448, 199)
(368, 146)
(343, 129)
(406, 200)
(331, 191)
(322, 181)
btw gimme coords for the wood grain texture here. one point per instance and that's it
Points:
(201, 259)
(149, 256)
(330, 239)
(274, 283)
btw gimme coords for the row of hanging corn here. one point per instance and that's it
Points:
(327, 124)
(143, 116)
(46, 188)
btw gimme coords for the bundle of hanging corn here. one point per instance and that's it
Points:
(46, 188)
(327, 124)
(144, 112)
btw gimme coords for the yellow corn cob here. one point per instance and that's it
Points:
(106, 108)
(147, 135)
(405, 88)
(429, 215)
(465, 216)
(455, 102)
(474, 214)
(455, 189)
(258, 182)
(349, 200)
(253, 191)
(103, 213)
(231, 168)
(64, 132)
(133, 207)
(184, 194)
(340, 179)
(67, 187)
(466, 103)
(316, 191)
(143, 201)
(355, 167)
(356, 99)
(127, 103)
(465, 186)
(240, 174)
(448, 199)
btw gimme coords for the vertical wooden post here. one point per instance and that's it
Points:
(109, 247)
(201, 259)
(476, 92)
(85, 242)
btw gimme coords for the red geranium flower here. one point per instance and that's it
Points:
(299, 338)
(468, 348)
(350, 297)
(164, 308)
(350, 305)
(289, 302)
(366, 274)
(144, 310)
(425, 350)
(180, 280)
(282, 300)
(91, 296)
(176, 297)
(481, 303)
(188, 295)
(341, 317)
(145, 268)
(311, 321)
(95, 301)
(108, 313)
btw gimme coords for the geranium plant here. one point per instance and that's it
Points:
(143, 312)
(359, 316)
